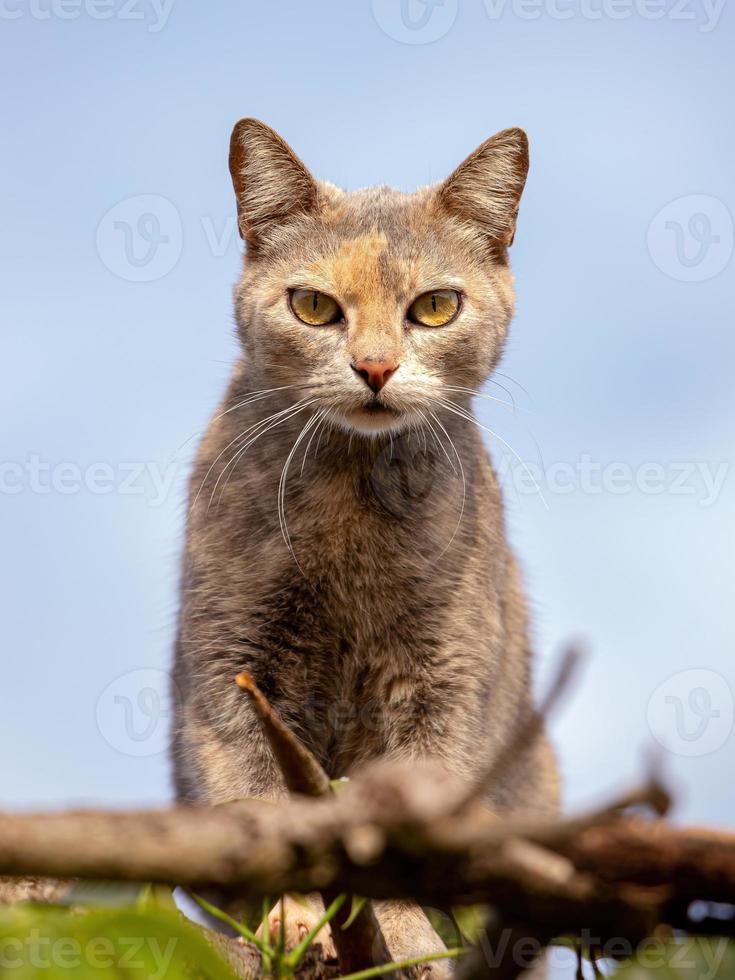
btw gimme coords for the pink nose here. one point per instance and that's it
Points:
(374, 373)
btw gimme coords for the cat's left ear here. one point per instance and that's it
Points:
(271, 183)
(486, 188)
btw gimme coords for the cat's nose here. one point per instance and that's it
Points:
(375, 373)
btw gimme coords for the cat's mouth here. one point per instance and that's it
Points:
(379, 408)
(373, 417)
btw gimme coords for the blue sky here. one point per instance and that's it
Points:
(119, 254)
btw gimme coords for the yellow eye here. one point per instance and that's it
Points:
(316, 309)
(434, 309)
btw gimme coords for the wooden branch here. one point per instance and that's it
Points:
(692, 863)
(371, 840)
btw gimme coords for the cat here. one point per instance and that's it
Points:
(346, 540)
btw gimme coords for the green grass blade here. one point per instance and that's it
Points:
(227, 919)
(377, 971)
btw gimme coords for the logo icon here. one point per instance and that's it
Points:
(691, 713)
(691, 239)
(415, 21)
(140, 239)
(134, 712)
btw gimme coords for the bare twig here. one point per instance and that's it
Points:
(301, 770)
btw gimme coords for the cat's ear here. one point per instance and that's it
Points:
(271, 183)
(486, 188)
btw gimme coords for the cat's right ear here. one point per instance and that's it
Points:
(271, 184)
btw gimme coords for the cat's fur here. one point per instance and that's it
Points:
(388, 619)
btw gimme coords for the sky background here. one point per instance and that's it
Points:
(119, 253)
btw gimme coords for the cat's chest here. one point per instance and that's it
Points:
(356, 574)
(351, 602)
(345, 672)
(371, 529)
(351, 592)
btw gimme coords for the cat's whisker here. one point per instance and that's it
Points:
(508, 392)
(281, 500)
(232, 442)
(254, 396)
(427, 426)
(464, 483)
(422, 430)
(237, 439)
(414, 427)
(479, 394)
(263, 427)
(258, 396)
(271, 423)
(513, 381)
(320, 416)
(440, 443)
(325, 428)
(451, 406)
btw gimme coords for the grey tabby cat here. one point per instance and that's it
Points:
(346, 540)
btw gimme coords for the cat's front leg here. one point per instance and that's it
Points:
(294, 917)
(409, 935)
(214, 766)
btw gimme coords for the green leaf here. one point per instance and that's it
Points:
(56, 943)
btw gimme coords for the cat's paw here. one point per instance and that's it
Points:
(436, 970)
(296, 916)
(409, 934)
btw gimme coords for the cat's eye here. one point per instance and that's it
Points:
(434, 309)
(315, 308)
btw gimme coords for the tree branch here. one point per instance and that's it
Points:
(371, 840)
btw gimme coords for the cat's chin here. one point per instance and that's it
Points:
(368, 422)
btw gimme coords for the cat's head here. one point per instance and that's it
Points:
(378, 303)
